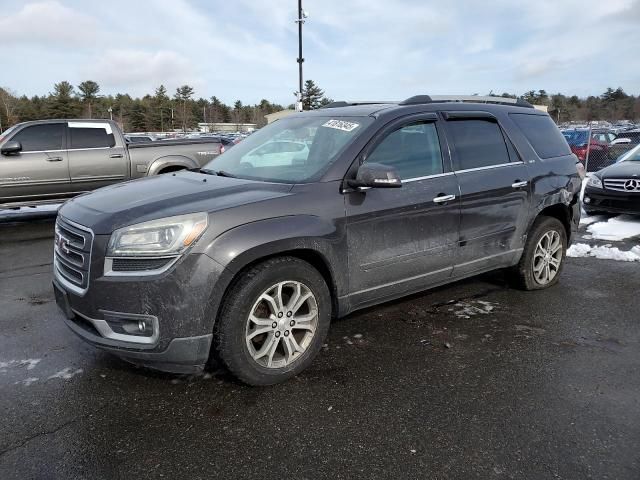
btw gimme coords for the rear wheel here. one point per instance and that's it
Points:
(543, 256)
(273, 321)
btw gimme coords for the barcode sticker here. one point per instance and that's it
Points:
(341, 125)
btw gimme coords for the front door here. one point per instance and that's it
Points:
(494, 192)
(41, 170)
(403, 239)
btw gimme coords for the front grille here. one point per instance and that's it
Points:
(72, 254)
(629, 185)
(139, 264)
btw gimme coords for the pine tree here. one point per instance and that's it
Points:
(311, 96)
(89, 93)
(61, 102)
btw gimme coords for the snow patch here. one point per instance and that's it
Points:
(587, 220)
(66, 373)
(616, 228)
(29, 362)
(472, 308)
(604, 252)
(27, 381)
(578, 250)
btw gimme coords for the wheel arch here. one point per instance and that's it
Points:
(313, 257)
(560, 212)
(170, 163)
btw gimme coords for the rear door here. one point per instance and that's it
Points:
(495, 193)
(404, 239)
(95, 159)
(41, 170)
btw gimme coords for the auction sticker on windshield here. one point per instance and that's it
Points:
(341, 125)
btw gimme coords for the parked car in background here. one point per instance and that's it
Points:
(624, 142)
(248, 260)
(615, 189)
(579, 143)
(48, 161)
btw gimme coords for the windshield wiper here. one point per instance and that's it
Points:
(219, 173)
(222, 173)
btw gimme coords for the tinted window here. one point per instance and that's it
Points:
(413, 150)
(478, 143)
(543, 135)
(40, 137)
(90, 138)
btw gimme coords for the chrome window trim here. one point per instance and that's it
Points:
(23, 152)
(91, 148)
(427, 177)
(489, 167)
(109, 272)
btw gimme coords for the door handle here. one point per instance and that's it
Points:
(115, 155)
(54, 159)
(444, 198)
(519, 184)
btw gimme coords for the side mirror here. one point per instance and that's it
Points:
(10, 148)
(376, 175)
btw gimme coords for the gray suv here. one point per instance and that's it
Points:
(247, 260)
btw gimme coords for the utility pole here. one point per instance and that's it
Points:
(301, 19)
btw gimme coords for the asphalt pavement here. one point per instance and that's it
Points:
(471, 380)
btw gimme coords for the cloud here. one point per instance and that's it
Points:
(126, 69)
(355, 49)
(48, 23)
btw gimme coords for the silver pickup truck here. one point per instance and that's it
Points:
(48, 161)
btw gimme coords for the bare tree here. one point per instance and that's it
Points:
(8, 102)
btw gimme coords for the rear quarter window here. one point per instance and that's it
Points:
(543, 135)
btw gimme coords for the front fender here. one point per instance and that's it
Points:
(238, 247)
(171, 161)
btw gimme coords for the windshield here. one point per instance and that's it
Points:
(4, 135)
(295, 149)
(575, 137)
(632, 155)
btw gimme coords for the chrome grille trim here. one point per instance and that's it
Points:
(72, 255)
(628, 185)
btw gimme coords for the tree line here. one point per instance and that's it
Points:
(155, 112)
(161, 111)
(613, 105)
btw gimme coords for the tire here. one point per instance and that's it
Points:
(240, 342)
(526, 276)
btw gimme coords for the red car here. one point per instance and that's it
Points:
(598, 148)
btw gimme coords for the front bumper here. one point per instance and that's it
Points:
(604, 200)
(178, 306)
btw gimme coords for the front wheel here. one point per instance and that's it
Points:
(543, 256)
(273, 321)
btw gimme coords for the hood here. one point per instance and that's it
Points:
(621, 170)
(113, 207)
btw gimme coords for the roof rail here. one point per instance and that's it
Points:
(351, 104)
(419, 99)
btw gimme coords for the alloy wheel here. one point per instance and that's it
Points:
(282, 324)
(547, 257)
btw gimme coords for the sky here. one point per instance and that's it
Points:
(353, 49)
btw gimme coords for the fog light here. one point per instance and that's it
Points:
(587, 200)
(139, 327)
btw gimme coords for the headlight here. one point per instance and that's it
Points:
(165, 236)
(594, 182)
